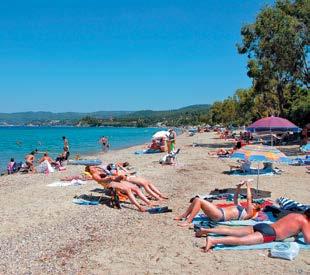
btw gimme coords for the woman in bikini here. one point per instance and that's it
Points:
(217, 214)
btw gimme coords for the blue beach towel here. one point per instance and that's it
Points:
(288, 204)
(85, 202)
(90, 162)
(147, 151)
(300, 241)
(253, 173)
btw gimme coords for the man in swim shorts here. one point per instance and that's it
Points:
(286, 227)
(29, 160)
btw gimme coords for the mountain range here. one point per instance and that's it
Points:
(23, 118)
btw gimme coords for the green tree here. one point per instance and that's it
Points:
(277, 45)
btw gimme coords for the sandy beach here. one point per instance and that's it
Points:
(43, 232)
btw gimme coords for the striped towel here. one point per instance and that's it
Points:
(288, 204)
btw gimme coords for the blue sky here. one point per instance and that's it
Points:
(120, 55)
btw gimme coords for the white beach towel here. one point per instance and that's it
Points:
(67, 183)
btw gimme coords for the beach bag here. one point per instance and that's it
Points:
(285, 250)
(45, 167)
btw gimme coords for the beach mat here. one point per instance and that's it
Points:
(86, 162)
(300, 241)
(240, 173)
(256, 194)
(149, 151)
(85, 202)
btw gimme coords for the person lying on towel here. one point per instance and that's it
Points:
(119, 183)
(236, 212)
(289, 226)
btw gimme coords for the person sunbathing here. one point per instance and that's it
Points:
(221, 152)
(119, 183)
(236, 212)
(224, 152)
(288, 226)
(150, 188)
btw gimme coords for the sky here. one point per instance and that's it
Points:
(131, 55)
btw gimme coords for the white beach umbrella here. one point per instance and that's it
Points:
(161, 134)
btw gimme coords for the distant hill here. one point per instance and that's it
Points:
(175, 112)
(27, 117)
(147, 116)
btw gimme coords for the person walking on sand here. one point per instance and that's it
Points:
(288, 226)
(117, 182)
(104, 143)
(236, 212)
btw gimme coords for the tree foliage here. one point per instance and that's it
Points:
(277, 47)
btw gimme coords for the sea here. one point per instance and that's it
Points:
(16, 142)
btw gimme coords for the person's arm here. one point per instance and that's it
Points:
(249, 193)
(105, 180)
(236, 195)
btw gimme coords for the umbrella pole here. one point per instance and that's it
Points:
(257, 179)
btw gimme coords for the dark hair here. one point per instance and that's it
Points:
(307, 213)
(63, 137)
(87, 169)
(45, 154)
(33, 153)
(12, 159)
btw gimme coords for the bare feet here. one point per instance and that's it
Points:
(164, 197)
(142, 209)
(200, 233)
(185, 224)
(178, 218)
(209, 244)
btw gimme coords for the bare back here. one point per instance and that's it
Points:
(29, 158)
(291, 225)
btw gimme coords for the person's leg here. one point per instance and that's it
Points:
(123, 188)
(226, 230)
(139, 193)
(251, 239)
(211, 210)
(145, 184)
(188, 211)
(148, 186)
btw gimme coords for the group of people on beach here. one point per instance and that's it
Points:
(30, 160)
(288, 226)
(119, 178)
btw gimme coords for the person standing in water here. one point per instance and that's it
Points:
(66, 147)
(104, 143)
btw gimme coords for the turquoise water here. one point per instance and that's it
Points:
(16, 142)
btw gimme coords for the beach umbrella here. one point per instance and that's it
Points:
(161, 134)
(273, 124)
(259, 154)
